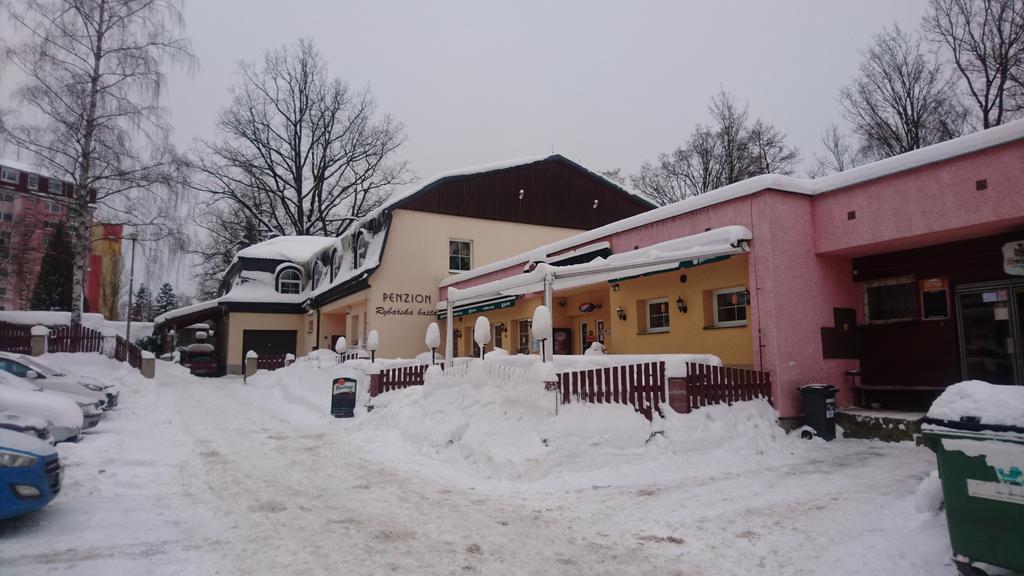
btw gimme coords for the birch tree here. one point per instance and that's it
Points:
(90, 107)
(298, 151)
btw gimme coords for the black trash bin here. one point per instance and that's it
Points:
(820, 408)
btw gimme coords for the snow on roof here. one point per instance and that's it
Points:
(293, 248)
(658, 257)
(24, 167)
(990, 138)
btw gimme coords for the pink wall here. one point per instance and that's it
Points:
(932, 204)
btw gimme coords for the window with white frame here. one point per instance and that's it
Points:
(289, 281)
(460, 255)
(317, 270)
(9, 175)
(53, 207)
(6, 217)
(6, 196)
(33, 182)
(891, 300)
(56, 186)
(731, 307)
(656, 313)
(335, 264)
(362, 247)
(525, 342)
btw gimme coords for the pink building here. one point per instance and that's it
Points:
(30, 205)
(890, 281)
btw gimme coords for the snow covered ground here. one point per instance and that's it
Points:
(210, 476)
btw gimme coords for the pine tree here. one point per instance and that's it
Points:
(142, 305)
(54, 282)
(165, 301)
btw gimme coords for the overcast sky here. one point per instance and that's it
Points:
(608, 84)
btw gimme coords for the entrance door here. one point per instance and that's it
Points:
(990, 329)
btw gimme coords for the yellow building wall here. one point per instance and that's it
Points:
(402, 299)
(239, 322)
(691, 332)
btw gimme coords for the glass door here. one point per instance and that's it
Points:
(989, 325)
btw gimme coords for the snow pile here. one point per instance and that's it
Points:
(508, 430)
(991, 403)
(302, 391)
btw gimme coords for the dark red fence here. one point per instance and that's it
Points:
(402, 377)
(16, 339)
(74, 338)
(708, 385)
(641, 386)
(271, 361)
(125, 351)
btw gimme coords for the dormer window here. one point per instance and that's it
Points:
(289, 281)
(335, 264)
(362, 245)
(318, 271)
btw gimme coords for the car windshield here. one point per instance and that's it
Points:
(200, 358)
(38, 367)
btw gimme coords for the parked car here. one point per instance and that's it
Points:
(30, 474)
(52, 373)
(54, 380)
(23, 397)
(34, 426)
(201, 359)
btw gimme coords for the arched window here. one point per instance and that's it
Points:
(362, 245)
(318, 270)
(335, 264)
(289, 281)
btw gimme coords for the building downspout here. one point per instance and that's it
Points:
(449, 330)
(317, 345)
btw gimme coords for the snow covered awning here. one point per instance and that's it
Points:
(478, 306)
(688, 251)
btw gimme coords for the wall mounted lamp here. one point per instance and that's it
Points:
(615, 287)
(620, 312)
(681, 305)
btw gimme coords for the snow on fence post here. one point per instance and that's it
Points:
(372, 343)
(433, 341)
(542, 330)
(341, 346)
(251, 362)
(289, 359)
(482, 334)
(38, 340)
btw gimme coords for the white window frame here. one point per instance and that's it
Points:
(9, 175)
(6, 196)
(280, 280)
(318, 269)
(336, 260)
(55, 186)
(647, 315)
(33, 181)
(470, 256)
(714, 305)
(53, 207)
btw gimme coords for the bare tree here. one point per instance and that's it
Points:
(94, 81)
(227, 231)
(840, 154)
(772, 154)
(310, 151)
(985, 40)
(903, 99)
(729, 151)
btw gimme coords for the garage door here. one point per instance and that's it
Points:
(269, 342)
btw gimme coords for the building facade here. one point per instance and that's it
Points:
(297, 294)
(890, 281)
(31, 204)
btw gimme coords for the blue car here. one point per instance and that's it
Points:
(30, 474)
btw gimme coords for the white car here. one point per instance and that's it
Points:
(33, 426)
(65, 416)
(51, 379)
(91, 409)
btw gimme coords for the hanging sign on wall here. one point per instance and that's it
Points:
(1013, 258)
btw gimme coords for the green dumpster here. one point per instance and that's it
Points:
(977, 433)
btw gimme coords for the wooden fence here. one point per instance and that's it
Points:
(707, 385)
(402, 377)
(125, 351)
(74, 338)
(16, 339)
(641, 386)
